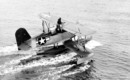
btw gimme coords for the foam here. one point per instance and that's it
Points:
(7, 49)
(42, 62)
(92, 44)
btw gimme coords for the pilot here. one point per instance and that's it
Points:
(59, 24)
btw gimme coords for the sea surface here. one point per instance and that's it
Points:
(110, 19)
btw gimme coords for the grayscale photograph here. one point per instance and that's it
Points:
(64, 40)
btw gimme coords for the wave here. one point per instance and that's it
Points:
(42, 62)
(92, 44)
(8, 49)
(13, 65)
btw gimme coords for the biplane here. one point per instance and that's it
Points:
(58, 36)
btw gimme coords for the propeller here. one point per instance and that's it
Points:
(85, 36)
(79, 31)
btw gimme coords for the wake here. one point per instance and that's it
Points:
(13, 66)
(8, 49)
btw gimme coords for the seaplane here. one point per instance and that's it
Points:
(58, 36)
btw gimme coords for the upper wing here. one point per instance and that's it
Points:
(49, 18)
(74, 28)
(78, 29)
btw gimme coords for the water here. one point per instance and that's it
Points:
(44, 68)
(110, 20)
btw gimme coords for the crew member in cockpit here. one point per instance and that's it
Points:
(59, 25)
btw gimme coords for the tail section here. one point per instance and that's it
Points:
(21, 37)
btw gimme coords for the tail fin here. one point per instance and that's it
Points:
(21, 36)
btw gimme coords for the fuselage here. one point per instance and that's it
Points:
(51, 40)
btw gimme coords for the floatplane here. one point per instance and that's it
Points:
(57, 36)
